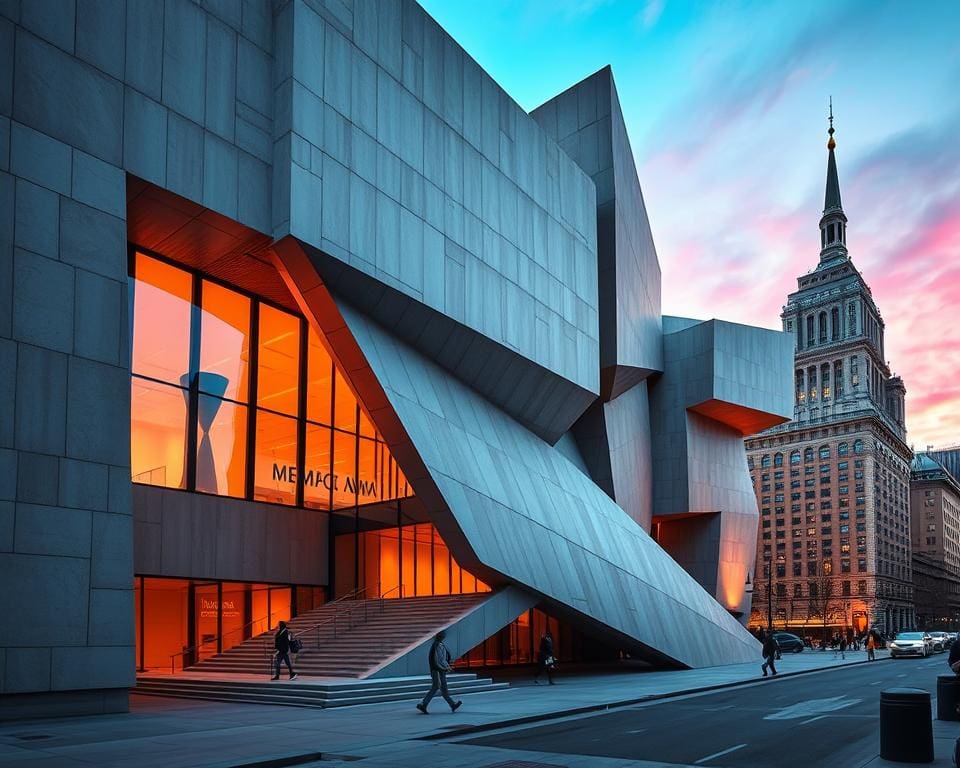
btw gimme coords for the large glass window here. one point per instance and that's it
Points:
(200, 351)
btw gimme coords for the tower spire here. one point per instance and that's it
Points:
(833, 224)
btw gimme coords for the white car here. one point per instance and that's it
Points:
(911, 644)
(940, 641)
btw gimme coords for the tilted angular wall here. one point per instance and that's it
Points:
(721, 381)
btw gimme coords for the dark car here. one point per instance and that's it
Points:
(787, 642)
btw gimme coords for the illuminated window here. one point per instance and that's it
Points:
(221, 447)
(278, 362)
(158, 429)
(224, 342)
(275, 466)
(319, 380)
(161, 320)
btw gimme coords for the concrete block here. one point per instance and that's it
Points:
(74, 668)
(46, 530)
(7, 518)
(257, 21)
(97, 40)
(39, 158)
(27, 670)
(184, 158)
(306, 198)
(43, 301)
(144, 47)
(8, 474)
(337, 70)
(83, 485)
(308, 35)
(6, 66)
(254, 139)
(98, 412)
(254, 202)
(37, 478)
(99, 184)
(98, 316)
(119, 501)
(336, 202)
(221, 87)
(111, 556)
(220, 166)
(53, 20)
(388, 235)
(8, 389)
(144, 137)
(54, 93)
(363, 93)
(35, 219)
(337, 135)
(254, 70)
(93, 240)
(47, 594)
(184, 58)
(111, 616)
(4, 143)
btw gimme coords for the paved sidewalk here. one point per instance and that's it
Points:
(177, 733)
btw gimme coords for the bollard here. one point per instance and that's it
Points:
(906, 725)
(948, 697)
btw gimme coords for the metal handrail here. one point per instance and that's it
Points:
(200, 645)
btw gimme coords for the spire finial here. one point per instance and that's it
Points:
(831, 144)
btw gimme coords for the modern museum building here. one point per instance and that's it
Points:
(300, 312)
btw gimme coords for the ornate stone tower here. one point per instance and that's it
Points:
(833, 485)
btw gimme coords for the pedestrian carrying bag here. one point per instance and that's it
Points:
(296, 644)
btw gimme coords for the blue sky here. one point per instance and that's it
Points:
(725, 104)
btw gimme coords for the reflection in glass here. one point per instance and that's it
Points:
(319, 380)
(158, 418)
(161, 319)
(275, 472)
(225, 339)
(221, 447)
(279, 361)
(317, 477)
(344, 470)
(345, 406)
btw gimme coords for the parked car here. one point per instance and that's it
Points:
(952, 638)
(911, 644)
(787, 642)
(940, 641)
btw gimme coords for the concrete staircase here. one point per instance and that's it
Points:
(349, 639)
(311, 694)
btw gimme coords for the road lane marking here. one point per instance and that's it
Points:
(901, 675)
(813, 719)
(639, 730)
(718, 754)
(804, 709)
(877, 682)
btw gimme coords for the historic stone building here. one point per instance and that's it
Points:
(935, 534)
(833, 484)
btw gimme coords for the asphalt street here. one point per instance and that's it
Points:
(824, 719)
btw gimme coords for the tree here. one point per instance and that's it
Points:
(823, 597)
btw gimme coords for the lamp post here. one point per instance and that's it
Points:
(769, 562)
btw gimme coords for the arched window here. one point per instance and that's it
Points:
(809, 330)
(750, 464)
(825, 380)
(843, 449)
(801, 393)
(858, 446)
(778, 459)
(851, 319)
(837, 378)
(808, 455)
(835, 323)
(765, 461)
(824, 452)
(822, 323)
(795, 457)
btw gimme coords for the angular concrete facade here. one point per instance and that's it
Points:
(486, 279)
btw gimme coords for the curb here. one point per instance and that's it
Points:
(556, 715)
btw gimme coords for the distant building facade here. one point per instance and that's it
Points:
(833, 484)
(935, 533)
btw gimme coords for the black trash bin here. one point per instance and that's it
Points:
(948, 697)
(906, 725)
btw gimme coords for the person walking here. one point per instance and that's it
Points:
(281, 642)
(545, 659)
(769, 653)
(843, 646)
(440, 664)
(871, 647)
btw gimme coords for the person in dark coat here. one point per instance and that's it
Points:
(440, 664)
(545, 659)
(769, 653)
(281, 642)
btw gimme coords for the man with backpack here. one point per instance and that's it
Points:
(282, 641)
(440, 664)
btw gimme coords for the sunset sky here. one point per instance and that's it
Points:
(726, 106)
